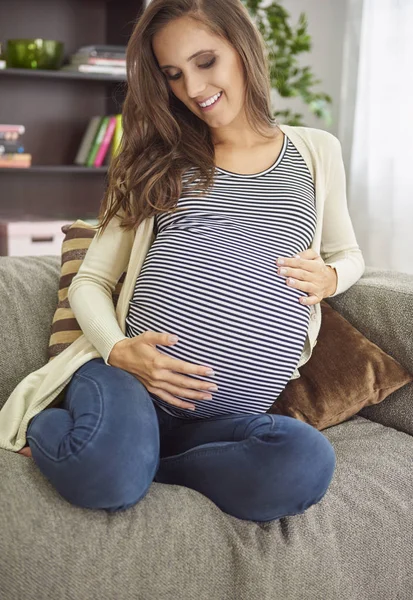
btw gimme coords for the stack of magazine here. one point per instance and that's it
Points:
(12, 154)
(109, 59)
(100, 141)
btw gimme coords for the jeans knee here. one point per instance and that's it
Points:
(125, 499)
(320, 467)
(307, 462)
(326, 457)
(111, 487)
(103, 450)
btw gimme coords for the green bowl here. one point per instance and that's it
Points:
(34, 54)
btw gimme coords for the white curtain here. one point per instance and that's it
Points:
(376, 129)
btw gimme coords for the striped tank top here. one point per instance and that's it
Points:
(210, 277)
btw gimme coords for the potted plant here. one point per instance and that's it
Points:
(284, 44)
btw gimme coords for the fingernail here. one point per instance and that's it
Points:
(280, 261)
(210, 372)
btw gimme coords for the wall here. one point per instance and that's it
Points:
(326, 25)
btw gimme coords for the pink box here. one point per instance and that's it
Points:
(31, 238)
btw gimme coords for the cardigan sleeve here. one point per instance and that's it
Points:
(339, 248)
(90, 293)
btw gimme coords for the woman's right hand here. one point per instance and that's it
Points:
(162, 375)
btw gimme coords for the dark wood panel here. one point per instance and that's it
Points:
(121, 18)
(59, 74)
(63, 169)
(51, 195)
(73, 22)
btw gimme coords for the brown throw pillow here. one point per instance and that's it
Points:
(346, 372)
(65, 328)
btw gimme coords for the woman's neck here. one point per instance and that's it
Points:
(235, 138)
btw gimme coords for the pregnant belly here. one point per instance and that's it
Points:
(234, 314)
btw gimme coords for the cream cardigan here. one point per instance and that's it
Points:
(109, 255)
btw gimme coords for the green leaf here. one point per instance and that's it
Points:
(285, 42)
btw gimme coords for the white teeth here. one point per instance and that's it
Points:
(210, 101)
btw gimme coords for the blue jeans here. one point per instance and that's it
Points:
(108, 441)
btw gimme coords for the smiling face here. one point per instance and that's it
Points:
(217, 67)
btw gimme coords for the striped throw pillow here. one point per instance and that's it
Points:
(65, 329)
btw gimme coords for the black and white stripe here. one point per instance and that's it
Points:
(210, 277)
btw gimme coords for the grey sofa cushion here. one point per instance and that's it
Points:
(356, 544)
(28, 299)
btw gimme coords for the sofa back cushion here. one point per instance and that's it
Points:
(28, 294)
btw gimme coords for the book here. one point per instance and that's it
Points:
(97, 141)
(94, 69)
(87, 140)
(13, 165)
(99, 49)
(110, 62)
(20, 129)
(9, 136)
(10, 147)
(15, 161)
(117, 136)
(18, 157)
(104, 146)
(102, 69)
(103, 55)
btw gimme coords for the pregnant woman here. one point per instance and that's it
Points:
(206, 196)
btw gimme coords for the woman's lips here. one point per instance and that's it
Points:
(211, 105)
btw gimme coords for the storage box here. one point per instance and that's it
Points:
(31, 238)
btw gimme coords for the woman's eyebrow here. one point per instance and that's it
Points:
(190, 58)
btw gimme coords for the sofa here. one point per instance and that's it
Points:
(176, 544)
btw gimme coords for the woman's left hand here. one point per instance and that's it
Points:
(308, 272)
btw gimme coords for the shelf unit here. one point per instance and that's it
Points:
(56, 106)
(64, 169)
(60, 74)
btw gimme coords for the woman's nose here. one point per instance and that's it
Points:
(195, 87)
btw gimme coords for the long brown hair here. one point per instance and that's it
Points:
(161, 137)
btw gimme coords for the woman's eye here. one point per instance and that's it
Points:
(204, 66)
(208, 64)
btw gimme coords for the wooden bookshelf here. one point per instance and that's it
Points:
(60, 74)
(56, 106)
(64, 169)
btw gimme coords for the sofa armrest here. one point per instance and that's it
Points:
(28, 300)
(380, 306)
